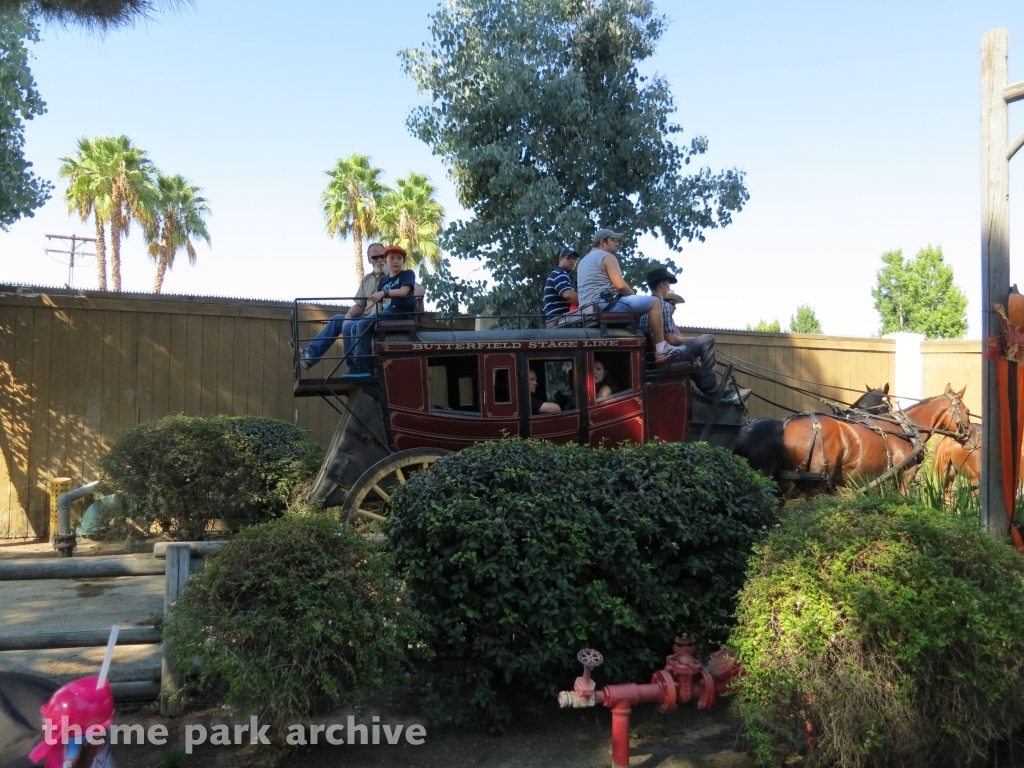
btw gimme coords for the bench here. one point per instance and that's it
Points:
(592, 316)
(408, 326)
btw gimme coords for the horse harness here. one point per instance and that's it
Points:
(909, 432)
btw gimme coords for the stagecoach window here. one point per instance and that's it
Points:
(617, 374)
(556, 382)
(454, 384)
(502, 386)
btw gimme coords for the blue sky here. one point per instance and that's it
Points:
(857, 127)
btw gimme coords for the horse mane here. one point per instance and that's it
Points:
(761, 443)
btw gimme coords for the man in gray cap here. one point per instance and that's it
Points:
(599, 276)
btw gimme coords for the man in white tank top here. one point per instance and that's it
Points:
(599, 271)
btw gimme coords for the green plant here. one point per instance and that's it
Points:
(181, 473)
(521, 552)
(292, 617)
(893, 628)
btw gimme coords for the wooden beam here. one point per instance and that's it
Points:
(87, 639)
(1012, 93)
(136, 690)
(995, 261)
(195, 548)
(1015, 147)
(79, 568)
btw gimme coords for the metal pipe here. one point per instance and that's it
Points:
(65, 540)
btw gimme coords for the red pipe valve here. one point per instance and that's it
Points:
(684, 679)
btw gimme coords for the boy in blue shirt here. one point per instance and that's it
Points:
(395, 300)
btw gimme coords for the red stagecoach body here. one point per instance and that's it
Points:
(442, 386)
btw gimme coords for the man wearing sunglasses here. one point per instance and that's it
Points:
(335, 328)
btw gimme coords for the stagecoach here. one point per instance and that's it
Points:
(440, 384)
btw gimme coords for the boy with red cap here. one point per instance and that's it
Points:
(395, 300)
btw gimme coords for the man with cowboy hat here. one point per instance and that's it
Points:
(701, 347)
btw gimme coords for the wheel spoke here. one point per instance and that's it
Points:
(380, 492)
(371, 515)
(401, 477)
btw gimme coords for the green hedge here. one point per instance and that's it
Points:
(895, 629)
(519, 553)
(182, 472)
(293, 617)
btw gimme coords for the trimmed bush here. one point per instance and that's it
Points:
(293, 617)
(895, 630)
(519, 553)
(183, 472)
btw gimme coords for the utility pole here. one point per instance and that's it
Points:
(996, 151)
(76, 243)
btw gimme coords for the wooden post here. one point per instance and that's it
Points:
(995, 262)
(178, 556)
(56, 487)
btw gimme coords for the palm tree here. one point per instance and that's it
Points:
(410, 216)
(350, 202)
(179, 218)
(132, 193)
(88, 194)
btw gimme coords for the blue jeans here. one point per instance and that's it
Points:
(352, 330)
(639, 304)
(702, 347)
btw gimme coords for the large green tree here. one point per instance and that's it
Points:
(21, 191)
(179, 219)
(804, 321)
(550, 131)
(350, 202)
(918, 295)
(411, 217)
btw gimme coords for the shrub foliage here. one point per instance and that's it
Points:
(894, 629)
(292, 617)
(183, 472)
(520, 553)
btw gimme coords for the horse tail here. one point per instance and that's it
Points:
(761, 443)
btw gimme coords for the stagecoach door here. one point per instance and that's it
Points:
(500, 386)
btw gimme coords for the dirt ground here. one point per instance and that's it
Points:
(687, 738)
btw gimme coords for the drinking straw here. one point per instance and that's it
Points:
(111, 642)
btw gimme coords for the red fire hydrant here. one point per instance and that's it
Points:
(684, 679)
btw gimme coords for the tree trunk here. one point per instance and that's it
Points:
(357, 237)
(161, 268)
(101, 254)
(115, 244)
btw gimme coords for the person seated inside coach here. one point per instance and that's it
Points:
(604, 384)
(537, 405)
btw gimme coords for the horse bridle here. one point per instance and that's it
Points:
(965, 432)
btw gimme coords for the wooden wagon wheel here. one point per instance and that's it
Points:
(369, 500)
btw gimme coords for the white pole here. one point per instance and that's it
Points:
(995, 261)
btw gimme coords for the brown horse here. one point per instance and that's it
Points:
(814, 453)
(952, 459)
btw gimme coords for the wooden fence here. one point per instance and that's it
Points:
(78, 368)
(841, 364)
(957, 363)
